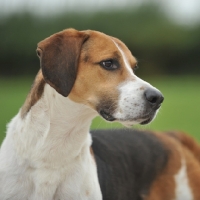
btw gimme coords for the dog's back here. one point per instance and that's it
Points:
(186, 141)
(140, 165)
(127, 161)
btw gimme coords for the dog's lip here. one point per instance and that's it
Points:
(143, 120)
(147, 119)
(139, 120)
(107, 116)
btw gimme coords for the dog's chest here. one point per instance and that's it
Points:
(49, 185)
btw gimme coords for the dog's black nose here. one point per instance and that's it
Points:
(154, 97)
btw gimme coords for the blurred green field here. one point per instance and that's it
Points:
(180, 110)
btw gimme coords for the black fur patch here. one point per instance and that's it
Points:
(127, 162)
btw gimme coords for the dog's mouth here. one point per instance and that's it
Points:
(107, 116)
(149, 118)
(143, 119)
(147, 121)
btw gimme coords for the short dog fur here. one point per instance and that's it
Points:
(48, 152)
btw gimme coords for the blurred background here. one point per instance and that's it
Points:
(163, 35)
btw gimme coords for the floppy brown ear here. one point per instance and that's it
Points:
(59, 56)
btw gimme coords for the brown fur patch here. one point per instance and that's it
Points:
(164, 186)
(191, 151)
(193, 172)
(95, 85)
(187, 141)
(179, 145)
(34, 94)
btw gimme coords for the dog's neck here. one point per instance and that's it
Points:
(56, 128)
(51, 142)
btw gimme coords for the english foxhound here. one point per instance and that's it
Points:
(47, 152)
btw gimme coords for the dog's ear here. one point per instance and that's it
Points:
(59, 57)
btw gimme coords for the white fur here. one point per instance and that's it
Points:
(183, 190)
(46, 155)
(131, 104)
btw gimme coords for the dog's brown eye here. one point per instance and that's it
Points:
(109, 65)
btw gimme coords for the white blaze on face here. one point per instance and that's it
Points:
(128, 67)
(132, 103)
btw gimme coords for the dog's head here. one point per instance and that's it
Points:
(97, 70)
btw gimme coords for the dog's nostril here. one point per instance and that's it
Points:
(152, 99)
(153, 96)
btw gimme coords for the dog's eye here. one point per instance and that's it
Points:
(109, 65)
(135, 68)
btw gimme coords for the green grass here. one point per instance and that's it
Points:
(180, 110)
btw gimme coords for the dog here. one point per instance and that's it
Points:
(48, 153)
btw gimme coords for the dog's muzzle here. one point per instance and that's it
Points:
(151, 100)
